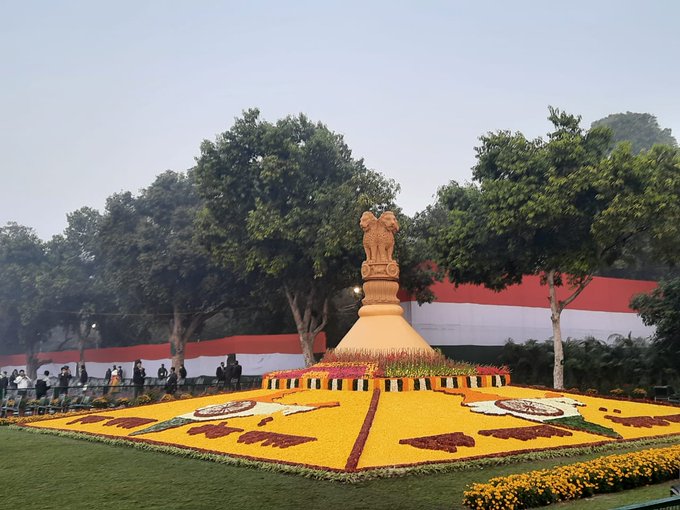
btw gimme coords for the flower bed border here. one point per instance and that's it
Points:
(388, 384)
(576, 481)
(359, 474)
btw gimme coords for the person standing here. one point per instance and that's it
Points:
(228, 372)
(83, 375)
(22, 383)
(171, 383)
(107, 381)
(236, 376)
(162, 372)
(115, 380)
(138, 377)
(12, 378)
(4, 382)
(219, 373)
(182, 374)
(42, 385)
(120, 374)
(64, 378)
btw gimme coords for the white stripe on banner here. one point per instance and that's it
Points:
(473, 324)
(253, 364)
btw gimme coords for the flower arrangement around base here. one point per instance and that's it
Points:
(606, 474)
(376, 429)
(410, 363)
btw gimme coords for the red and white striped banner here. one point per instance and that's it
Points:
(258, 354)
(474, 315)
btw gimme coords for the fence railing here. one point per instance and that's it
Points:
(96, 387)
(672, 503)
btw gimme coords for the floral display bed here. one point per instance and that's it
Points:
(329, 431)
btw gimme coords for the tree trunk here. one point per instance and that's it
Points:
(308, 323)
(177, 339)
(182, 328)
(84, 331)
(33, 363)
(555, 312)
(307, 344)
(556, 307)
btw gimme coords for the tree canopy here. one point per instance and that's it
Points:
(661, 308)
(283, 201)
(154, 262)
(560, 208)
(642, 130)
(25, 317)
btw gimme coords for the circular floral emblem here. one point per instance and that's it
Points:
(217, 410)
(529, 407)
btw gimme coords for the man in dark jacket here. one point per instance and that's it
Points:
(236, 376)
(4, 382)
(138, 377)
(64, 378)
(107, 379)
(162, 372)
(42, 384)
(219, 373)
(171, 383)
(228, 373)
(83, 375)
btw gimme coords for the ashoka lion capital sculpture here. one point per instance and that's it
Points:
(380, 271)
(381, 325)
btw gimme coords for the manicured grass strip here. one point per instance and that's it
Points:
(57, 473)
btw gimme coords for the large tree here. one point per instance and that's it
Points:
(283, 202)
(642, 130)
(75, 288)
(25, 317)
(157, 268)
(559, 208)
(661, 308)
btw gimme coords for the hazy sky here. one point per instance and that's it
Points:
(98, 97)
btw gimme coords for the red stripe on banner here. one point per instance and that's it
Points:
(244, 344)
(602, 294)
(253, 344)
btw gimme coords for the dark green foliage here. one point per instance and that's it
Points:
(282, 206)
(640, 129)
(563, 208)
(626, 363)
(579, 423)
(153, 262)
(25, 317)
(661, 308)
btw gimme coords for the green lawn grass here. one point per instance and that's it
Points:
(44, 472)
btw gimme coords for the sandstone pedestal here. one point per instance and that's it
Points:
(381, 326)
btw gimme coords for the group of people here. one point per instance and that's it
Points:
(230, 375)
(113, 378)
(21, 382)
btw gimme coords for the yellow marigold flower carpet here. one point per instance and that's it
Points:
(350, 431)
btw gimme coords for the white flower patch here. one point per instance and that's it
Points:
(241, 408)
(534, 409)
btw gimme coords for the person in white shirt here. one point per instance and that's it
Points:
(22, 383)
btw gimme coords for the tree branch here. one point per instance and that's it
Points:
(581, 287)
(324, 319)
(292, 302)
